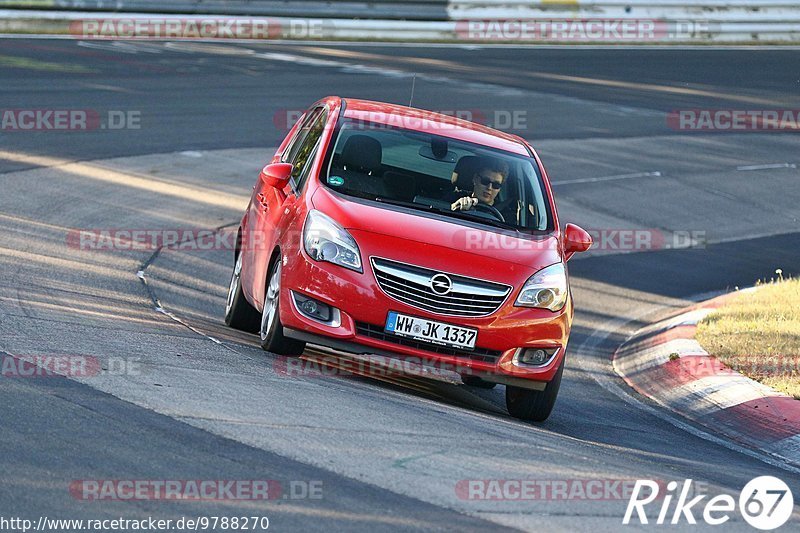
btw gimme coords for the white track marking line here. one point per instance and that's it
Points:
(654, 174)
(766, 166)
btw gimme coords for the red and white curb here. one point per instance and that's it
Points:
(664, 362)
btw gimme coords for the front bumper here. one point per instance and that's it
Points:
(363, 309)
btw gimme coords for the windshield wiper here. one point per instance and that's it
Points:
(412, 205)
(466, 215)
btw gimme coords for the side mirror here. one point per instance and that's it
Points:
(576, 239)
(276, 175)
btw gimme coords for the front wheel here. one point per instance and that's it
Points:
(534, 405)
(271, 331)
(239, 314)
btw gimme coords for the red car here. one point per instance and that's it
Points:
(383, 229)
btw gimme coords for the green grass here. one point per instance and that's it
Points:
(34, 64)
(758, 334)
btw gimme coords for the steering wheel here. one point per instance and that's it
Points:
(491, 210)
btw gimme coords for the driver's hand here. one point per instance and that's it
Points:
(464, 204)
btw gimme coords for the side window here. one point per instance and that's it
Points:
(294, 140)
(301, 180)
(303, 158)
(302, 132)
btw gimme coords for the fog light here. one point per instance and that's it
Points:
(313, 309)
(535, 356)
(309, 307)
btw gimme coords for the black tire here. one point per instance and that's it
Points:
(475, 381)
(534, 405)
(270, 328)
(239, 314)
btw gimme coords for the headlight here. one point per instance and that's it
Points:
(547, 289)
(325, 240)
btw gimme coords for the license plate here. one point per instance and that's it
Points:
(431, 331)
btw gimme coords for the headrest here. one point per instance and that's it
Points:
(362, 153)
(466, 167)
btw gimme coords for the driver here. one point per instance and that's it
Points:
(486, 184)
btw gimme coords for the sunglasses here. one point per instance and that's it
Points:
(487, 182)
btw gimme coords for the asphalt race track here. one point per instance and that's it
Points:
(191, 399)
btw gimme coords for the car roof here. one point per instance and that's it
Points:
(431, 122)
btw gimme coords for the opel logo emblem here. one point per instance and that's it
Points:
(441, 284)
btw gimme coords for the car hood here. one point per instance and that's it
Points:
(421, 234)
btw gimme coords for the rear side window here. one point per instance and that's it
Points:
(303, 156)
(290, 153)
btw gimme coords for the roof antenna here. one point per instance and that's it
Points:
(413, 83)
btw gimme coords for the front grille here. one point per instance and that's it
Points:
(412, 285)
(477, 354)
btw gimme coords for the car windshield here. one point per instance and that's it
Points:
(437, 174)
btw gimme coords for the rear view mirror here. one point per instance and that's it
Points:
(446, 156)
(576, 239)
(276, 175)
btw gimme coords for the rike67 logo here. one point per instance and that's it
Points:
(766, 503)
